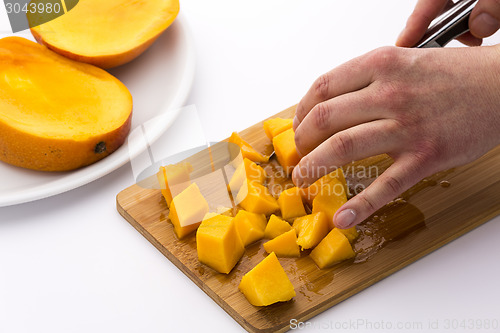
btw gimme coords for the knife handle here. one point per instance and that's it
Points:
(449, 25)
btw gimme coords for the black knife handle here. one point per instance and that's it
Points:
(449, 25)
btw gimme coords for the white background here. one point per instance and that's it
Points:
(70, 263)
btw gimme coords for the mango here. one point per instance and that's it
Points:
(275, 126)
(275, 227)
(285, 245)
(57, 114)
(290, 202)
(351, 233)
(309, 193)
(250, 226)
(187, 210)
(335, 247)
(254, 197)
(331, 197)
(247, 151)
(311, 229)
(286, 151)
(173, 179)
(267, 283)
(106, 33)
(218, 243)
(247, 170)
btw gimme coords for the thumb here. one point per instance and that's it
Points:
(484, 20)
(399, 177)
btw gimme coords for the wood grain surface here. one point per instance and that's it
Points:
(426, 217)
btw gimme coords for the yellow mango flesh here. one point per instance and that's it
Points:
(106, 33)
(218, 244)
(248, 170)
(255, 198)
(309, 193)
(311, 229)
(335, 247)
(275, 227)
(331, 197)
(250, 226)
(290, 202)
(173, 179)
(57, 114)
(285, 245)
(286, 151)
(275, 126)
(267, 283)
(187, 209)
(351, 233)
(247, 151)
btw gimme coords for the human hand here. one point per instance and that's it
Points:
(484, 21)
(428, 109)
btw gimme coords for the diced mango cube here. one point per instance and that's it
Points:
(276, 227)
(309, 193)
(173, 179)
(218, 244)
(247, 150)
(351, 233)
(254, 197)
(286, 151)
(267, 283)
(247, 170)
(334, 248)
(285, 245)
(331, 197)
(250, 226)
(290, 202)
(275, 126)
(187, 209)
(311, 229)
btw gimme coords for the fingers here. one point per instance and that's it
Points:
(356, 143)
(350, 76)
(469, 40)
(425, 11)
(484, 20)
(335, 115)
(399, 177)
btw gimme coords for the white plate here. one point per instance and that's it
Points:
(159, 80)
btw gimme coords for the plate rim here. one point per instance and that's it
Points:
(110, 164)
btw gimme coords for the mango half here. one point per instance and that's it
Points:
(57, 114)
(107, 33)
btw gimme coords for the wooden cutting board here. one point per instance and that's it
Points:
(429, 215)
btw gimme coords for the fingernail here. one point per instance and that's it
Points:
(295, 122)
(484, 25)
(345, 219)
